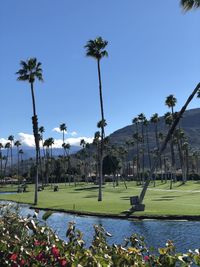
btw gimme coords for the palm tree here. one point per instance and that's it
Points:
(137, 139)
(63, 129)
(142, 119)
(30, 71)
(146, 124)
(189, 4)
(21, 152)
(1, 159)
(155, 120)
(171, 102)
(50, 141)
(11, 139)
(17, 144)
(41, 130)
(96, 49)
(7, 146)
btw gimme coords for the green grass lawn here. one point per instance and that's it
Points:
(181, 200)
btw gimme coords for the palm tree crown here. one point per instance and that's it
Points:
(95, 48)
(171, 102)
(30, 70)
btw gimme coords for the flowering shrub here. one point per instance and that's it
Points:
(24, 242)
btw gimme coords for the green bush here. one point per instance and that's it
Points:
(25, 242)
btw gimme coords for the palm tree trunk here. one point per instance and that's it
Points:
(18, 163)
(36, 135)
(142, 130)
(11, 160)
(168, 137)
(102, 133)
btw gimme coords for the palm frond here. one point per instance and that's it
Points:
(189, 4)
(23, 77)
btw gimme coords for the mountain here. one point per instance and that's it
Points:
(29, 152)
(190, 123)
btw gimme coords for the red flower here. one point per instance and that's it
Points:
(13, 257)
(22, 262)
(40, 256)
(36, 243)
(63, 262)
(146, 258)
(55, 251)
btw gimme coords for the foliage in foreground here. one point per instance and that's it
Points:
(25, 242)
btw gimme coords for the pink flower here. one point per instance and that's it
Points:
(13, 257)
(63, 262)
(22, 263)
(40, 256)
(146, 258)
(55, 251)
(36, 243)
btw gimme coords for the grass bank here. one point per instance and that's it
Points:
(182, 200)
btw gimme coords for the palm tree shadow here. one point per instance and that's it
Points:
(91, 196)
(165, 198)
(125, 198)
(88, 188)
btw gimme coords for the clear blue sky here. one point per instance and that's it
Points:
(153, 52)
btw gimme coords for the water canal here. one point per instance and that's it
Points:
(185, 234)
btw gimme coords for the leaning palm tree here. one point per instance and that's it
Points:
(30, 71)
(189, 4)
(96, 49)
(196, 90)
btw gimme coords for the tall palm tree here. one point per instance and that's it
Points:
(51, 142)
(146, 124)
(7, 146)
(141, 119)
(137, 138)
(1, 159)
(171, 102)
(11, 139)
(63, 129)
(96, 49)
(30, 71)
(41, 131)
(17, 144)
(189, 4)
(21, 152)
(155, 120)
